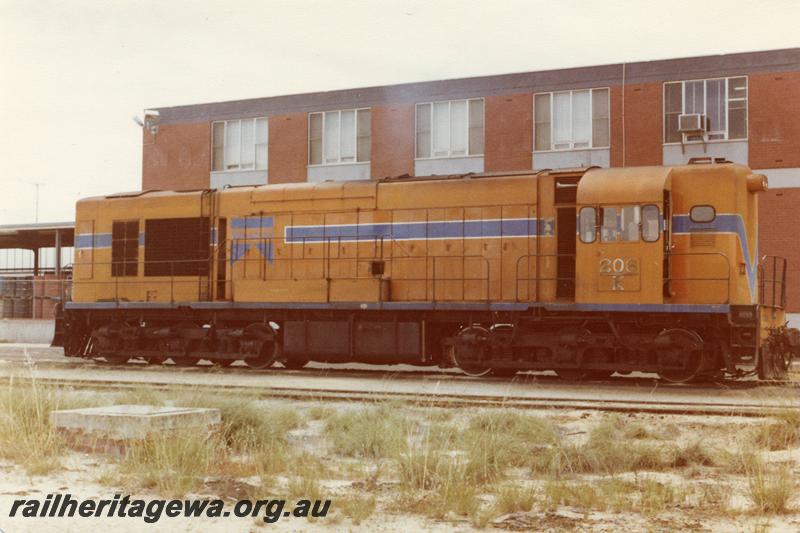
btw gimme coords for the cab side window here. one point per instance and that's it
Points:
(620, 224)
(587, 224)
(650, 223)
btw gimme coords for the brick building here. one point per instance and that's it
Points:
(609, 115)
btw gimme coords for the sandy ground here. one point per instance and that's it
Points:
(82, 475)
(77, 479)
(87, 475)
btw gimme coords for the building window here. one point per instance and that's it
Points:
(721, 103)
(124, 248)
(239, 145)
(336, 137)
(452, 128)
(571, 120)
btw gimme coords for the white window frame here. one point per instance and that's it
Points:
(355, 138)
(256, 144)
(450, 149)
(571, 147)
(727, 79)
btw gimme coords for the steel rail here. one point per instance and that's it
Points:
(523, 377)
(444, 400)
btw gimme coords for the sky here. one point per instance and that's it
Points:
(74, 73)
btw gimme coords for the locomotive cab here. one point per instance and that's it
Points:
(623, 235)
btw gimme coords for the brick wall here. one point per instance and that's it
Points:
(288, 148)
(779, 218)
(177, 157)
(508, 132)
(643, 123)
(392, 140)
(774, 135)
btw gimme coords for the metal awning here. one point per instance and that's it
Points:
(41, 235)
(32, 237)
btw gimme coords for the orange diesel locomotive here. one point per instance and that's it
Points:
(585, 272)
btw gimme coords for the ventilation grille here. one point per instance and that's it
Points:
(702, 239)
(176, 247)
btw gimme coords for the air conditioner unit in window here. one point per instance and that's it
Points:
(693, 127)
(692, 123)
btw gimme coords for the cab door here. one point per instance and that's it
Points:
(620, 254)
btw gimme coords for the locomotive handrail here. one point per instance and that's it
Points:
(537, 278)
(430, 279)
(666, 281)
(379, 254)
(776, 282)
(433, 273)
(725, 279)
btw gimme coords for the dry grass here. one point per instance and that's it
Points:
(373, 432)
(26, 434)
(246, 427)
(606, 451)
(780, 434)
(647, 496)
(304, 485)
(743, 461)
(696, 453)
(251, 441)
(713, 497)
(141, 396)
(497, 440)
(512, 498)
(450, 465)
(356, 508)
(443, 470)
(433, 475)
(171, 464)
(320, 412)
(770, 489)
(614, 446)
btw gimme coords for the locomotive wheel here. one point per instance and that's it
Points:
(269, 346)
(224, 363)
(294, 363)
(187, 332)
(467, 354)
(687, 349)
(155, 360)
(116, 359)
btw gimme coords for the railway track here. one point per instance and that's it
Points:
(47, 357)
(426, 392)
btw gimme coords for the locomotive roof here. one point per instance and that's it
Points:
(630, 184)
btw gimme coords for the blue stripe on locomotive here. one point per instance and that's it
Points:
(422, 230)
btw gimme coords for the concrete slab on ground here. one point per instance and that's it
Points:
(134, 421)
(112, 429)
